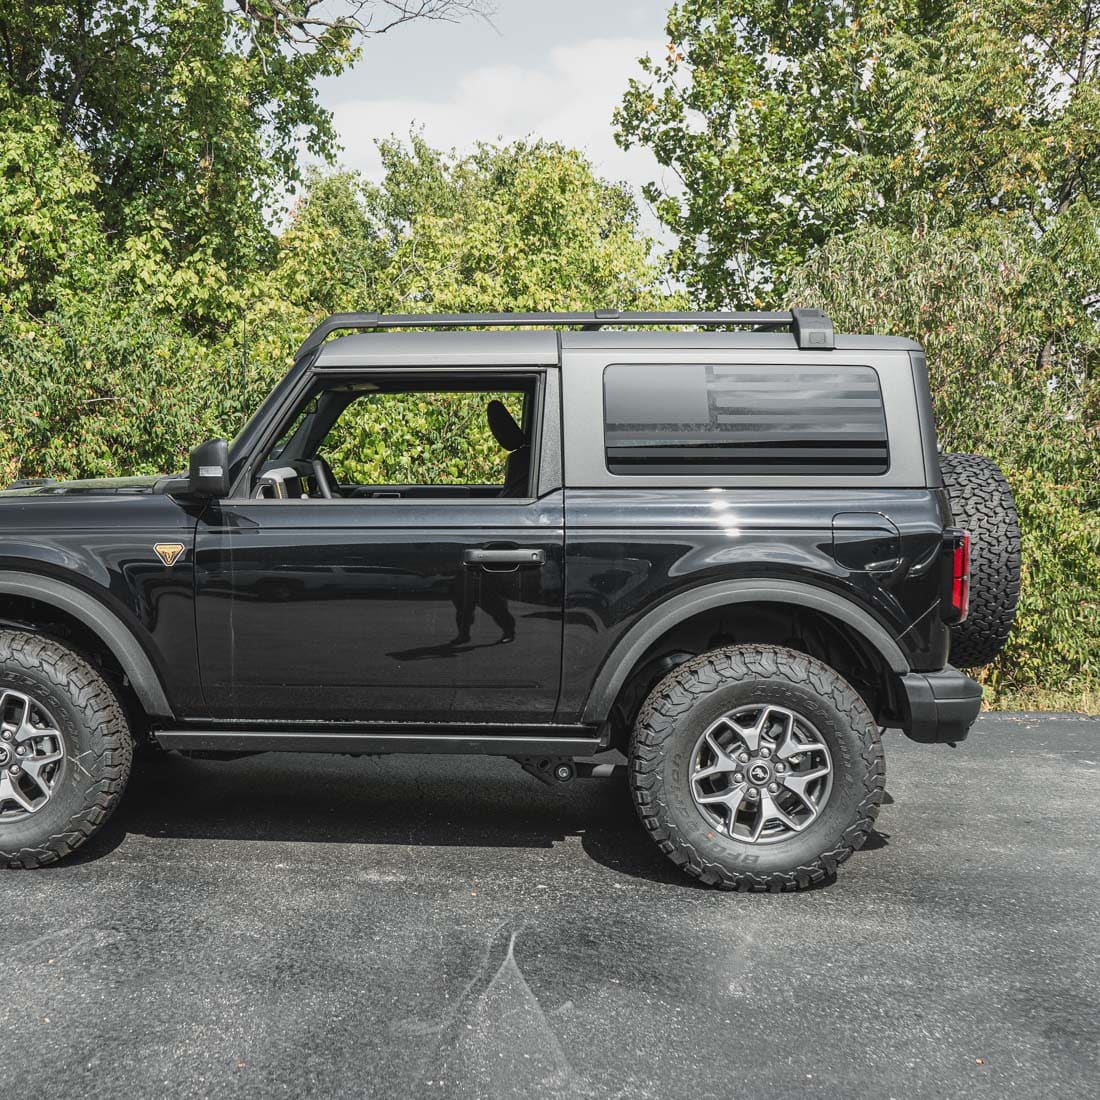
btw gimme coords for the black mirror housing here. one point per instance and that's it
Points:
(208, 474)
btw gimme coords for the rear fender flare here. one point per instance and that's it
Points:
(631, 647)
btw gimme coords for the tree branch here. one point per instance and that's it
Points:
(308, 23)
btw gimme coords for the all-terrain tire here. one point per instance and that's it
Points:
(982, 503)
(700, 691)
(97, 748)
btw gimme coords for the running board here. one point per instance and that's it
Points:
(356, 742)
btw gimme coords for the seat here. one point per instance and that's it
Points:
(510, 436)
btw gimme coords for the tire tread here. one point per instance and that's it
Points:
(100, 710)
(691, 681)
(982, 502)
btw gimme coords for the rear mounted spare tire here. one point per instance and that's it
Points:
(981, 502)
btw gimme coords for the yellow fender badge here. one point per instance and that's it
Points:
(168, 552)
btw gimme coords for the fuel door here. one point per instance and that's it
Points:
(866, 542)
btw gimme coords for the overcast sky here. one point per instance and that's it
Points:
(554, 70)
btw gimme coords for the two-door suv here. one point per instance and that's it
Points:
(733, 556)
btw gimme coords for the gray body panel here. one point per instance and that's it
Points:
(582, 386)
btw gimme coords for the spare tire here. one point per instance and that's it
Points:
(982, 503)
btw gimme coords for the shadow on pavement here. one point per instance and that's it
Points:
(428, 801)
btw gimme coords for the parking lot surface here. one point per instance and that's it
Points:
(444, 926)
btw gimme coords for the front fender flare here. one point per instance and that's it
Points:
(630, 648)
(104, 623)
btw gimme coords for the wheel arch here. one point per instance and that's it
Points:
(104, 624)
(631, 649)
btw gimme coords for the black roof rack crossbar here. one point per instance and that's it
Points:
(811, 327)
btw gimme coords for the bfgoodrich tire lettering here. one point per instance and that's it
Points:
(982, 503)
(695, 695)
(97, 748)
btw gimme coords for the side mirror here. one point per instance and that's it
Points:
(208, 474)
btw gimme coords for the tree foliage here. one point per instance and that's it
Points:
(787, 123)
(50, 238)
(109, 380)
(524, 227)
(980, 301)
(191, 115)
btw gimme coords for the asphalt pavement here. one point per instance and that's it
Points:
(290, 926)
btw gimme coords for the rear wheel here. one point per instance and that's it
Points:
(982, 503)
(756, 768)
(65, 750)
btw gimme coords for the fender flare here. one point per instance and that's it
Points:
(629, 649)
(104, 623)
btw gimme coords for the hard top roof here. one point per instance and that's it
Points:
(810, 327)
(455, 349)
(541, 348)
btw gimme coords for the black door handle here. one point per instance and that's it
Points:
(497, 558)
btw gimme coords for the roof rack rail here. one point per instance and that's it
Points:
(811, 327)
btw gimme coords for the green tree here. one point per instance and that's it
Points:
(190, 114)
(51, 245)
(526, 226)
(1016, 375)
(786, 123)
(106, 383)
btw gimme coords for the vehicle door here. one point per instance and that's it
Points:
(401, 599)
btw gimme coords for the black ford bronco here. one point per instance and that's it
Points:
(733, 556)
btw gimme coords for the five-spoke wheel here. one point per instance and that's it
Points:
(65, 749)
(756, 767)
(760, 773)
(32, 755)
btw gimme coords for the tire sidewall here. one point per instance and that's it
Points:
(841, 810)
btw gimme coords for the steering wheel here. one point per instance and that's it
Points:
(321, 475)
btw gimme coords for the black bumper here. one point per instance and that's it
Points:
(942, 705)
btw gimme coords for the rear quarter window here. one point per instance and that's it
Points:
(698, 418)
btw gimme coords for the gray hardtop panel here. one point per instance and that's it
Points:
(440, 349)
(583, 411)
(720, 341)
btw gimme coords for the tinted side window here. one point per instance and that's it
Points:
(697, 418)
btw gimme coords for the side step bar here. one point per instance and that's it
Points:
(491, 744)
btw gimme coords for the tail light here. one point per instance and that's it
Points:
(956, 558)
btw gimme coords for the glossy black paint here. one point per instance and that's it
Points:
(99, 537)
(359, 609)
(350, 610)
(629, 550)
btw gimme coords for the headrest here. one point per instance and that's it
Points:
(504, 428)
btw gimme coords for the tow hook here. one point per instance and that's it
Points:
(556, 770)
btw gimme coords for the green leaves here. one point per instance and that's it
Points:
(50, 242)
(190, 117)
(1014, 361)
(104, 375)
(788, 124)
(394, 439)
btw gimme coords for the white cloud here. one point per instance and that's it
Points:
(570, 99)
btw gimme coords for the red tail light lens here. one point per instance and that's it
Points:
(960, 575)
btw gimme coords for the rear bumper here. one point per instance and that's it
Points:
(942, 705)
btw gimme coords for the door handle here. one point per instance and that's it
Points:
(506, 558)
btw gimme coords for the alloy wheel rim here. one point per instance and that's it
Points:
(761, 774)
(32, 755)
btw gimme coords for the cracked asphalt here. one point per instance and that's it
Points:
(289, 926)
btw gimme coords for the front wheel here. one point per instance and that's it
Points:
(756, 768)
(65, 750)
